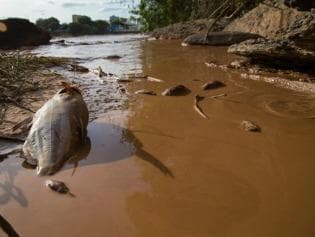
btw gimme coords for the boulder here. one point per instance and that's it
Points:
(15, 33)
(269, 21)
(213, 85)
(275, 53)
(219, 38)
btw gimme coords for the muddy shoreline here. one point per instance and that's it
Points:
(154, 166)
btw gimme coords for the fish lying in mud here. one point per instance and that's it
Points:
(58, 128)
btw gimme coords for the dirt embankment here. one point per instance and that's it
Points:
(184, 29)
(26, 83)
(15, 33)
(289, 36)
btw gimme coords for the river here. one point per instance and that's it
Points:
(155, 167)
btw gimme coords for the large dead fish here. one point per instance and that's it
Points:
(58, 129)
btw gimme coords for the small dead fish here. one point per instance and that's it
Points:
(58, 186)
(153, 79)
(145, 92)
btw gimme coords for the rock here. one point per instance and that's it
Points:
(275, 53)
(213, 85)
(302, 32)
(219, 38)
(113, 57)
(77, 68)
(145, 92)
(178, 90)
(250, 126)
(15, 33)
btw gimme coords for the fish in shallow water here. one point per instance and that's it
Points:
(59, 187)
(58, 128)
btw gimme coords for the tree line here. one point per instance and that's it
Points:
(84, 25)
(159, 13)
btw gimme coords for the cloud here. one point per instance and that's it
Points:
(73, 4)
(51, 2)
(110, 9)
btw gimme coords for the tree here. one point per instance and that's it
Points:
(50, 24)
(84, 20)
(101, 26)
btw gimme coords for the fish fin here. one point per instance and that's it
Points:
(74, 168)
(71, 194)
(82, 131)
(67, 87)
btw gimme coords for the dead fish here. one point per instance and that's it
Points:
(197, 107)
(58, 128)
(145, 92)
(153, 79)
(249, 126)
(99, 72)
(58, 186)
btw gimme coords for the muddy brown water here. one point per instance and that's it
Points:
(157, 168)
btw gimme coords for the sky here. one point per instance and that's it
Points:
(64, 9)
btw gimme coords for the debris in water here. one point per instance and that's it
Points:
(58, 186)
(154, 79)
(77, 68)
(250, 126)
(178, 90)
(145, 92)
(197, 107)
(213, 85)
(113, 57)
(219, 95)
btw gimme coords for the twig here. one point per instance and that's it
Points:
(215, 21)
(219, 95)
(197, 108)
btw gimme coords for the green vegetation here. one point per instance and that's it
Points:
(83, 26)
(159, 13)
(17, 71)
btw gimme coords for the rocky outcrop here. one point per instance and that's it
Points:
(219, 38)
(269, 21)
(184, 29)
(275, 53)
(15, 33)
(302, 32)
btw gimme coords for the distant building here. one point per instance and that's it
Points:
(123, 25)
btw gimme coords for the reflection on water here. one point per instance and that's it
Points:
(112, 143)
